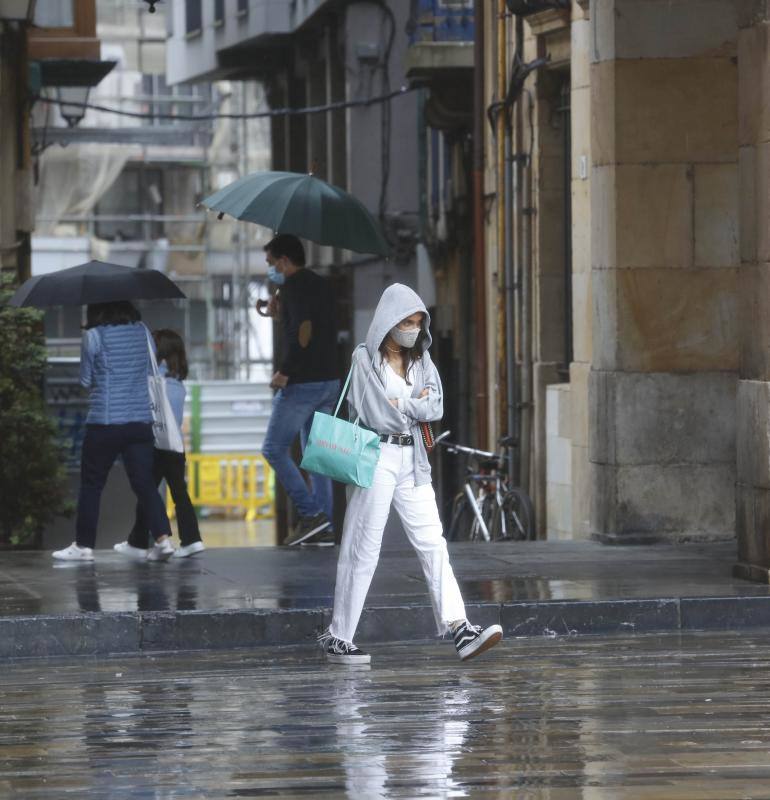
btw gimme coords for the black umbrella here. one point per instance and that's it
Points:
(94, 282)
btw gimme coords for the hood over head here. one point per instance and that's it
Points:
(397, 302)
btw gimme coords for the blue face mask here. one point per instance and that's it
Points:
(276, 277)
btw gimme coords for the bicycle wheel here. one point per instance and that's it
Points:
(515, 519)
(462, 520)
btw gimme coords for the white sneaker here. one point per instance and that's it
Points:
(189, 550)
(128, 550)
(161, 551)
(74, 553)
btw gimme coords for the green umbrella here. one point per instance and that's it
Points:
(289, 202)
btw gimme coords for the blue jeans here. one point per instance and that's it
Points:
(293, 409)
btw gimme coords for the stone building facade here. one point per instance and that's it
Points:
(662, 386)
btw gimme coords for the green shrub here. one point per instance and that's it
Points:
(33, 486)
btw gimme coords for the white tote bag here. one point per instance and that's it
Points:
(164, 427)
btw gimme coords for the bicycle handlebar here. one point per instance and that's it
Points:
(471, 451)
(459, 448)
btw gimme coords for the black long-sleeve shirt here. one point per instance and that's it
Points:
(307, 315)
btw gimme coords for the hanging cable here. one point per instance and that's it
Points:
(275, 112)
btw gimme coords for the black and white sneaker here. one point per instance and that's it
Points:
(471, 640)
(307, 527)
(340, 652)
(321, 539)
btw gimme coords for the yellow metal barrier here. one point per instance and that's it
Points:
(230, 480)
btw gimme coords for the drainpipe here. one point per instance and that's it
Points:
(502, 218)
(511, 291)
(508, 265)
(526, 285)
(479, 271)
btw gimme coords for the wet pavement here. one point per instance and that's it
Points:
(238, 597)
(594, 718)
(282, 577)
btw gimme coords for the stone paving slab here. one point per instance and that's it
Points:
(652, 717)
(245, 597)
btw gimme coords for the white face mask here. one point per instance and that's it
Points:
(406, 339)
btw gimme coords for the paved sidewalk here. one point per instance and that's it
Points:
(655, 717)
(235, 597)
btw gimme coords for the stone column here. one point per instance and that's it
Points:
(753, 457)
(580, 368)
(664, 252)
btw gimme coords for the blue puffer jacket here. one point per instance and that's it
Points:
(114, 365)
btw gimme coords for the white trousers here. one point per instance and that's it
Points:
(365, 520)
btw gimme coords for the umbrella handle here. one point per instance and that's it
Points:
(269, 308)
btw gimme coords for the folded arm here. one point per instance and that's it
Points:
(429, 406)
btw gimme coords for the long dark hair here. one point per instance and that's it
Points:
(170, 348)
(119, 312)
(408, 356)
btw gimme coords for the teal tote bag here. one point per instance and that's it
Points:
(341, 450)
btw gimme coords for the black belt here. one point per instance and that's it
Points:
(404, 439)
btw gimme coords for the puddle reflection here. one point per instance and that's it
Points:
(161, 592)
(378, 756)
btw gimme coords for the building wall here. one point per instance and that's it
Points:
(753, 433)
(664, 222)
(365, 30)
(655, 199)
(16, 217)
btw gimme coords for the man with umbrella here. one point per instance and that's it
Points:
(295, 205)
(306, 382)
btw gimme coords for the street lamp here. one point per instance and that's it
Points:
(72, 78)
(17, 10)
(72, 100)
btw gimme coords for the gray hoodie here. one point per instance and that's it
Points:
(367, 398)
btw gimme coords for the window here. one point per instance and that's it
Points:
(182, 99)
(193, 16)
(243, 8)
(54, 14)
(219, 12)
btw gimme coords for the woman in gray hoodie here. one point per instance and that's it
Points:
(394, 386)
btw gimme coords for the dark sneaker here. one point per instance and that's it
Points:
(307, 527)
(471, 640)
(322, 539)
(339, 652)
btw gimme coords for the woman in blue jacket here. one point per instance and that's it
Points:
(114, 365)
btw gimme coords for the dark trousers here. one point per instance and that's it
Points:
(102, 444)
(169, 466)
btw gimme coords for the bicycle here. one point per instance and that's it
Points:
(488, 508)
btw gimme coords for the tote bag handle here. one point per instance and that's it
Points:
(151, 349)
(345, 391)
